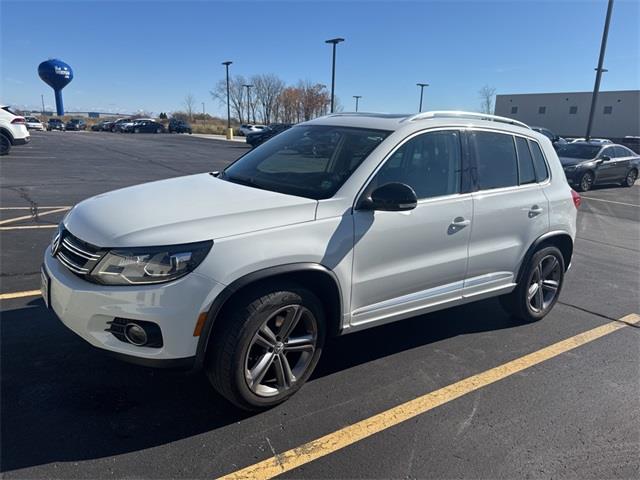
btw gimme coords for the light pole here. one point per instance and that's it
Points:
(421, 85)
(334, 42)
(357, 97)
(599, 70)
(42, 98)
(204, 121)
(249, 103)
(229, 132)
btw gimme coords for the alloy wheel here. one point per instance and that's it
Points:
(281, 351)
(544, 284)
(631, 178)
(586, 182)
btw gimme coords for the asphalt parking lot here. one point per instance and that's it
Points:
(69, 411)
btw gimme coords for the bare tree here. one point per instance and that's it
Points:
(236, 95)
(487, 94)
(189, 103)
(267, 94)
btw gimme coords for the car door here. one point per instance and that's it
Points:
(606, 170)
(623, 161)
(406, 262)
(510, 211)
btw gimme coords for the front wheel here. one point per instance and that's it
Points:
(539, 288)
(586, 182)
(631, 178)
(158, 130)
(267, 346)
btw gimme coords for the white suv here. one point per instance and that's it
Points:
(339, 224)
(13, 130)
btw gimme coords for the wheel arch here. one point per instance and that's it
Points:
(7, 133)
(560, 239)
(314, 276)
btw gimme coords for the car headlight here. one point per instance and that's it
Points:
(140, 266)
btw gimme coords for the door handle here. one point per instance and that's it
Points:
(535, 210)
(460, 222)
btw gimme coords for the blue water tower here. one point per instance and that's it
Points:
(57, 75)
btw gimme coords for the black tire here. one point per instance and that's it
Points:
(5, 144)
(136, 130)
(232, 345)
(631, 178)
(519, 304)
(586, 182)
(158, 130)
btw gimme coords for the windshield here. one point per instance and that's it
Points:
(574, 150)
(309, 161)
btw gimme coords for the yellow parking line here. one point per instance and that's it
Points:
(27, 227)
(351, 434)
(27, 217)
(28, 293)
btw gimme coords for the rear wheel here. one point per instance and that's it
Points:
(136, 130)
(267, 346)
(631, 178)
(5, 144)
(586, 182)
(158, 130)
(539, 288)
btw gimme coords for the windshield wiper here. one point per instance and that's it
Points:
(249, 182)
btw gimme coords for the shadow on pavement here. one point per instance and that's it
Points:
(61, 400)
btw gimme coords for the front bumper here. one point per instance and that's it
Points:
(85, 308)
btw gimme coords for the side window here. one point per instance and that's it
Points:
(496, 160)
(526, 172)
(538, 161)
(608, 152)
(430, 163)
(622, 152)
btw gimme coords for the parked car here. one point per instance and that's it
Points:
(555, 139)
(34, 123)
(76, 124)
(247, 128)
(144, 126)
(600, 141)
(13, 130)
(115, 127)
(245, 272)
(592, 163)
(256, 138)
(103, 126)
(632, 142)
(179, 126)
(56, 124)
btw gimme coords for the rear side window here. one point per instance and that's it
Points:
(496, 161)
(526, 172)
(622, 152)
(538, 161)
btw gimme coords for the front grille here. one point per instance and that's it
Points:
(78, 256)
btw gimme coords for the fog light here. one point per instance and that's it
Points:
(135, 334)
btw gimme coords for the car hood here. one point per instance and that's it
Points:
(182, 210)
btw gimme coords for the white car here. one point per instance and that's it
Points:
(13, 130)
(245, 129)
(34, 123)
(601, 141)
(336, 225)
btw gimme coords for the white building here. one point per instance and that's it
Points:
(617, 114)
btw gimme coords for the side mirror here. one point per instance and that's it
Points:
(392, 197)
(604, 158)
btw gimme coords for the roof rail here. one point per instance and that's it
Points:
(460, 114)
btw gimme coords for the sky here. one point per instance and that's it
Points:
(148, 55)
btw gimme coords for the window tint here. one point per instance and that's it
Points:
(526, 172)
(429, 163)
(496, 161)
(608, 152)
(538, 161)
(622, 152)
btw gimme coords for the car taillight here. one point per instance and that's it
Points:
(577, 200)
(18, 120)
